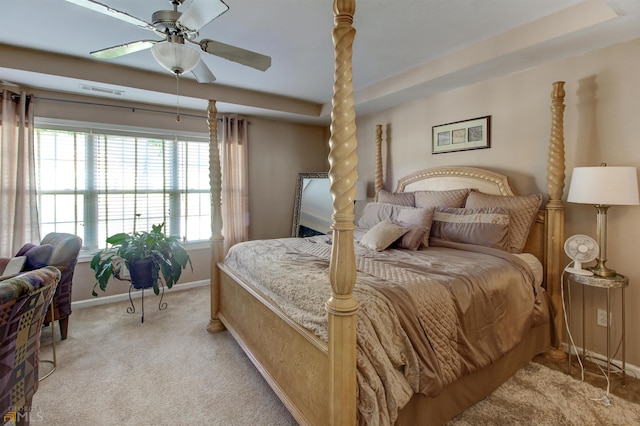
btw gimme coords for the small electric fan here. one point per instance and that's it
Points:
(581, 249)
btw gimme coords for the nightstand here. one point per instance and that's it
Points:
(605, 283)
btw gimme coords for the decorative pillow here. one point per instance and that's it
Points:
(377, 212)
(382, 235)
(449, 198)
(12, 265)
(419, 222)
(397, 198)
(374, 213)
(487, 227)
(23, 250)
(415, 236)
(37, 255)
(522, 210)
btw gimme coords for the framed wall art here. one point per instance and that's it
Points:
(462, 135)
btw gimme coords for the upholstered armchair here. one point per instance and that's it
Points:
(60, 250)
(66, 248)
(24, 299)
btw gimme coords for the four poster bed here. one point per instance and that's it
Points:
(335, 327)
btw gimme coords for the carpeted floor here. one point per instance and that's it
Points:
(537, 395)
(113, 370)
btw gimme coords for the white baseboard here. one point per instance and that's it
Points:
(631, 370)
(96, 301)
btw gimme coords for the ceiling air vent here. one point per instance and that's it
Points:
(103, 90)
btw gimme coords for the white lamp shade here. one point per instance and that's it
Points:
(175, 57)
(603, 185)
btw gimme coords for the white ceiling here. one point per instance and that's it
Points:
(404, 49)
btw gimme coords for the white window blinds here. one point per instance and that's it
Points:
(96, 183)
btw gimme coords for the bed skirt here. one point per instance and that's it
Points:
(466, 391)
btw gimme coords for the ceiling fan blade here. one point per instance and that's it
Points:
(202, 73)
(109, 11)
(123, 49)
(236, 54)
(200, 13)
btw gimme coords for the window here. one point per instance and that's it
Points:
(94, 182)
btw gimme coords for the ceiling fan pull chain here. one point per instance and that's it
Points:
(177, 97)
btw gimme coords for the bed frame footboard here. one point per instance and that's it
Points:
(292, 360)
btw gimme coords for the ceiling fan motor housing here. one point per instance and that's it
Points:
(165, 21)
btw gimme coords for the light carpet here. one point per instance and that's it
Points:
(538, 395)
(113, 370)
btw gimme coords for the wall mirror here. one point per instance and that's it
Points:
(313, 205)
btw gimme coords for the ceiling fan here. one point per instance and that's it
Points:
(177, 28)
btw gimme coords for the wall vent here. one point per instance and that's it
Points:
(102, 90)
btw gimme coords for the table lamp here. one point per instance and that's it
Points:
(603, 187)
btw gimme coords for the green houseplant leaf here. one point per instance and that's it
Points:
(167, 253)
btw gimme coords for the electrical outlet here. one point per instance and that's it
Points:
(601, 320)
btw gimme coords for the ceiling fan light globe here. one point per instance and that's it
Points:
(175, 57)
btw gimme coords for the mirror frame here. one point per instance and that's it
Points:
(297, 203)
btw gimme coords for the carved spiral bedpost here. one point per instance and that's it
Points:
(343, 160)
(217, 240)
(554, 213)
(379, 183)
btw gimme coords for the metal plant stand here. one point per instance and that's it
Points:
(132, 309)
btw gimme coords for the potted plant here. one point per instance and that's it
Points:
(147, 256)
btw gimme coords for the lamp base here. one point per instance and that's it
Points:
(601, 270)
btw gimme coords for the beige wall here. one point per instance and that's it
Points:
(278, 151)
(603, 103)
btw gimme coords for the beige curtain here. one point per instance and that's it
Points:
(235, 180)
(18, 202)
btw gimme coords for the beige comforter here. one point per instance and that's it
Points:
(426, 318)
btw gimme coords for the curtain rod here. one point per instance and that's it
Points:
(133, 109)
(16, 97)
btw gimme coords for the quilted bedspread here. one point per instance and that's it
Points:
(426, 317)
